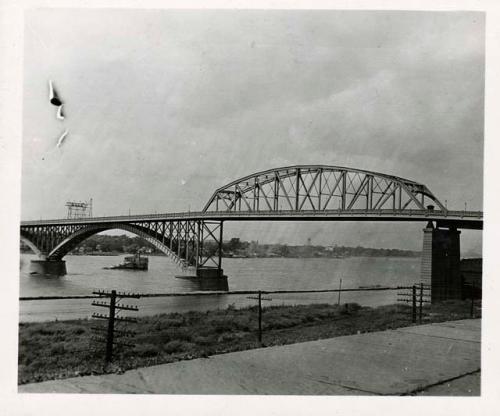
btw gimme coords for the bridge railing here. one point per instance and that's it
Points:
(449, 214)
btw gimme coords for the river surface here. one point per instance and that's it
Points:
(86, 273)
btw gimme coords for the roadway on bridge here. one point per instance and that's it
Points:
(395, 362)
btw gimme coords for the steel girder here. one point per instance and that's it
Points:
(320, 188)
(192, 244)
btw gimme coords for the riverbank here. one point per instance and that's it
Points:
(414, 360)
(62, 349)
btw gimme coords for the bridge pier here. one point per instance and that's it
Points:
(212, 278)
(440, 268)
(208, 278)
(52, 267)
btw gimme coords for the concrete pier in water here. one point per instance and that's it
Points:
(208, 279)
(53, 267)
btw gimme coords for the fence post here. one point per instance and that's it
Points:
(421, 303)
(414, 304)
(111, 325)
(340, 288)
(260, 317)
(472, 301)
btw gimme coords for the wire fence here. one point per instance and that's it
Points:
(245, 319)
(417, 298)
(221, 293)
(36, 308)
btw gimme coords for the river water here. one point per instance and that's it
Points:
(86, 273)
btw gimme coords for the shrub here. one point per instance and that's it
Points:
(222, 325)
(348, 308)
(231, 336)
(182, 334)
(202, 340)
(281, 322)
(177, 346)
(146, 350)
(45, 331)
(57, 349)
(174, 322)
(160, 337)
(243, 322)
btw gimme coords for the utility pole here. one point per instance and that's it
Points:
(112, 318)
(260, 299)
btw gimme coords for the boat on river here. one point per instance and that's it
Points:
(135, 262)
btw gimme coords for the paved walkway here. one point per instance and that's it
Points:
(402, 361)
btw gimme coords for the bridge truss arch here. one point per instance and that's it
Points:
(321, 188)
(26, 240)
(191, 244)
(84, 232)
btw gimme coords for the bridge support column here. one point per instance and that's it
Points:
(212, 278)
(440, 268)
(52, 267)
(208, 259)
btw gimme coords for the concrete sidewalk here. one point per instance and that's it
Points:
(394, 362)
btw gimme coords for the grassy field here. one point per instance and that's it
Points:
(61, 349)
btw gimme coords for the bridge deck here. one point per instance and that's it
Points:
(460, 219)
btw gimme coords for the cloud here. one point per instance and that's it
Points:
(209, 96)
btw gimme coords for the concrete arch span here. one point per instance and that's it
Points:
(72, 240)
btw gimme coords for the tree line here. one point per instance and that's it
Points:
(235, 248)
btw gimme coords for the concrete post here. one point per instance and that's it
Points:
(426, 265)
(441, 263)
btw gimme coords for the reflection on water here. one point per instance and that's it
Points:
(205, 283)
(86, 273)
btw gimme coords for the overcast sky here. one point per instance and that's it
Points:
(163, 107)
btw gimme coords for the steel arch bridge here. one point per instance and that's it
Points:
(321, 188)
(294, 193)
